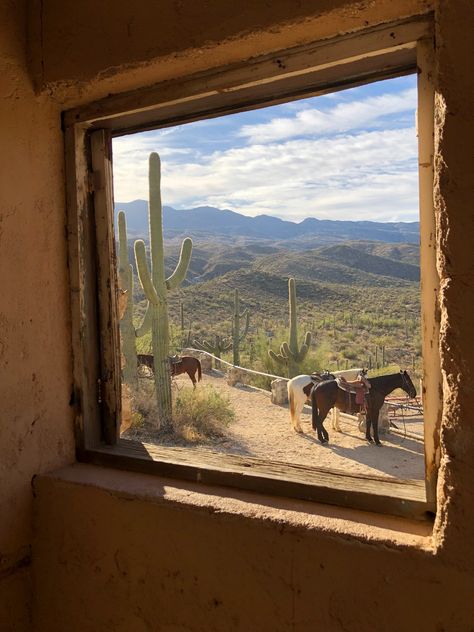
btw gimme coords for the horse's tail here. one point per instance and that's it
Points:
(291, 400)
(199, 369)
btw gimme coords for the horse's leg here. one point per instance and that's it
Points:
(375, 425)
(368, 422)
(336, 419)
(323, 435)
(315, 419)
(191, 377)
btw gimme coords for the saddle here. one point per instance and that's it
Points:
(359, 387)
(321, 377)
(175, 359)
(316, 378)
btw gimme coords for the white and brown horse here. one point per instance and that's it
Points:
(299, 393)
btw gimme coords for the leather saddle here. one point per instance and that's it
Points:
(359, 387)
(175, 359)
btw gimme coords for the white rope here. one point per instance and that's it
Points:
(234, 366)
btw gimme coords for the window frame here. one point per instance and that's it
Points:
(322, 67)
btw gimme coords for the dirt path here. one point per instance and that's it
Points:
(263, 429)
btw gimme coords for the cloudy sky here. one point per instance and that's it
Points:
(352, 154)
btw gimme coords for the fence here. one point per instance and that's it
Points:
(234, 366)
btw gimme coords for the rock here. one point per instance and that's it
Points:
(235, 376)
(279, 391)
(384, 422)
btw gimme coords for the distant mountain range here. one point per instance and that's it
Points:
(206, 221)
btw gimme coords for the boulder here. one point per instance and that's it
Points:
(279, 391)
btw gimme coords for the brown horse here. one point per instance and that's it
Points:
(178, 365)
(328, 394)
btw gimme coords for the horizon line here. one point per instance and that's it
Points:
(367, 221)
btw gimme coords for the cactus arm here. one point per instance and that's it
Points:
(304, 347)
(204, 346)
(145, 324)
(277, 357)
(225, 346)
(179, 274)
(144, 275)
(246, 313)
(286, 351)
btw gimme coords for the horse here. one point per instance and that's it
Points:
(328, 394)
(183, 364)
(299, 391)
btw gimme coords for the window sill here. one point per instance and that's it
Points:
(288, 514)
(383, 495)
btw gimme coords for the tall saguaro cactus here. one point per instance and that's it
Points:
(156, 287)
(237, 337)
(127, 328)
(290, 354)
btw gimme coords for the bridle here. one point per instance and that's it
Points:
(407, 383)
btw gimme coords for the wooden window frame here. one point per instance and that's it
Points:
(326, 66)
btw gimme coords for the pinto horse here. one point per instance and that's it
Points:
(328, 394)
(299, 391)
(184, 364)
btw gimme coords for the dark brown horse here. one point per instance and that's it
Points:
(326, 395)
(178, 365)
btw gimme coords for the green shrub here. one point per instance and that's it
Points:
(201, 414)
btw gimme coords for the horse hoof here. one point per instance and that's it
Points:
(378, 444)
(298, 430)
(369, 440)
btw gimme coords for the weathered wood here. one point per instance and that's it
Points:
(430, 307)
(308, 70)
(370, 493)
(82, 281)
(110, 400)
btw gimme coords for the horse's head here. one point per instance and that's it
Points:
(408, 385)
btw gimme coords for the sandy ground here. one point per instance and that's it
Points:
(262, 429)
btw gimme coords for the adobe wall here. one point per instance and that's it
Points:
(35, 364)
(128, 552)
(103, 560)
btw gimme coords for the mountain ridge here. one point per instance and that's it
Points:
(207, 220)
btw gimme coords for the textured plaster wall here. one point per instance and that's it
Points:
(90, 49)
(163, 560)
(35, 370)
(103, 560)
(128, 552)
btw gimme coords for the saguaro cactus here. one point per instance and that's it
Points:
(290, 355)
(237, 337)
(127, 329)
(156, 287)
(217, 348)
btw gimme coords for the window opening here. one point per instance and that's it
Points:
(337, 70)
(305, 258)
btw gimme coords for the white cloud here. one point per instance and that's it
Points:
(370, 175)
(341, 118)
(356, 159)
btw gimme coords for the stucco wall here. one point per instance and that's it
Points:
(133, 565)
(90, 49)
(35, 367)
(129, 552)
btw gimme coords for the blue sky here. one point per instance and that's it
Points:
(348, 155)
